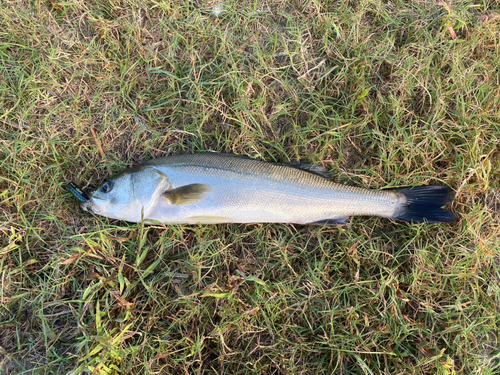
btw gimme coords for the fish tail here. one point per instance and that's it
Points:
(424, 204)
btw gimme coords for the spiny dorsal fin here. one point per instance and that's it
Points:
(187, 194)
(312, 168)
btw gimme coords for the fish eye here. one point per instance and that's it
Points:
(107, 187)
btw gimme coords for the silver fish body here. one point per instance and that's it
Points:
(210, 188)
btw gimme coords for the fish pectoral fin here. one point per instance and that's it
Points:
(332, 222)
(202, 219)
(187, 194)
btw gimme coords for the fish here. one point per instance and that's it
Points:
(215, 188)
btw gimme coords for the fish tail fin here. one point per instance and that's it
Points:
(424, 204)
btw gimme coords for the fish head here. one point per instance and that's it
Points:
(130, 195)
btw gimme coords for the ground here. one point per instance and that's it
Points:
(380, 93)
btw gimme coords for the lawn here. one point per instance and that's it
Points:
(380, 93)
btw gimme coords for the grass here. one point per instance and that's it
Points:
(380, 93)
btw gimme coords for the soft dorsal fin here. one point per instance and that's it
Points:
(187, 194)
(311, 168)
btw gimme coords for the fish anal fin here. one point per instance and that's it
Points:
(311, 168)
(187, 194)
(332, 222)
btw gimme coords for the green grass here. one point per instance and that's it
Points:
(377, 92)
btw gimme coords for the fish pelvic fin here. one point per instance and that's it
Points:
(187, 194)
(207, 219)
(424, 204)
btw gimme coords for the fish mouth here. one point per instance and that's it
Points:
(89, 207)
(94, 205)
(85, 206)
